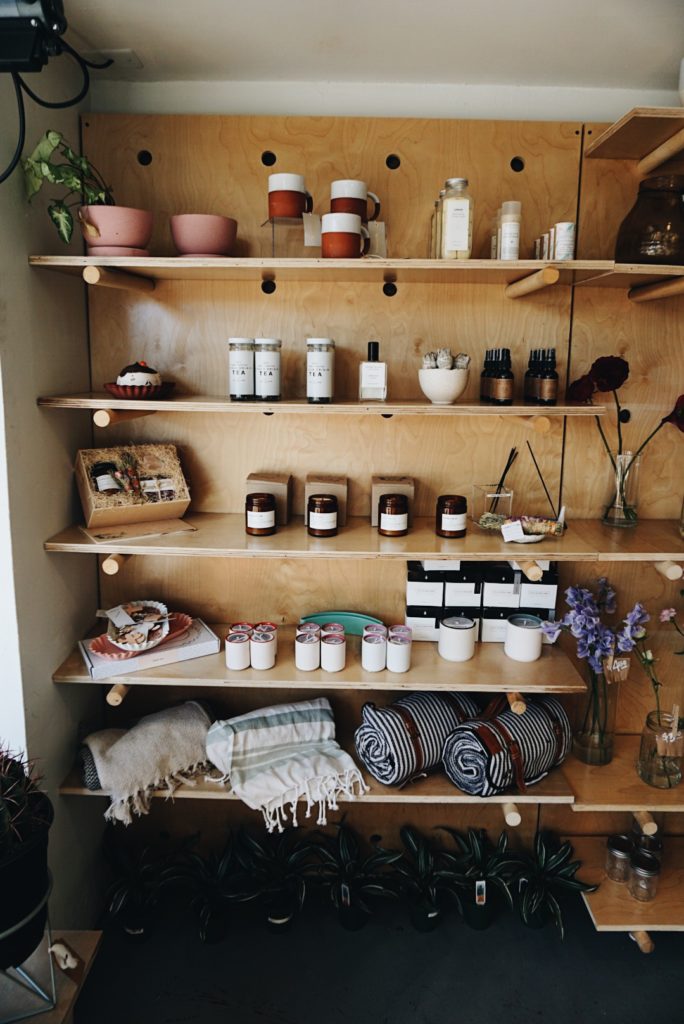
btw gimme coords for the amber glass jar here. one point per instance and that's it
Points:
(451, 516)
(653, 230)
(321, 515)
(393, 515)
(260, 514)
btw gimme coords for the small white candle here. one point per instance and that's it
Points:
(523, 637)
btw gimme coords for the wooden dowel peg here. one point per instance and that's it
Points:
(531, 570)
(668, 149)
(110, 417)
(512, 815)
(533, 283)
(646, 822)
(670, 570)
(643, 941)
(517, 703)
(657, 290)
(112, 563)
(117, 279)
(540, 424)
(116, 695)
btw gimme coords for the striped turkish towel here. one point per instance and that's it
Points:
(406, 738)
(278, 755)
(488, 756)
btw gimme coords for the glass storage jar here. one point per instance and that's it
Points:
(619, 850)
(653, 230)
(457, 220)
(643, 876)
(393, 515)
(241, 369)
(661, 751)
(320, 370)
(321, 515)
(451, 515)
(267, 369)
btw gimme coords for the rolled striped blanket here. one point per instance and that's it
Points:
(488, 756)
(405, 738)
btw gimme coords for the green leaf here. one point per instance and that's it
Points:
(76, 160)
(33, 179)
(47, 144)
(63, 221)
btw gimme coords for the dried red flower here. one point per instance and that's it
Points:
(581, 389)
(677, 414)
(609, 373)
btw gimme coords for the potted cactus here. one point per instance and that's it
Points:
(105, 225)
(25, 819)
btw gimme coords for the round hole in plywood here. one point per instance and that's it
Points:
(144, 158)
(393, 161)
(268, 158)
(517, 164)
(268, 287)
(389, 288)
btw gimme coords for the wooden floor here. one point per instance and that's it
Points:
(15, 1000)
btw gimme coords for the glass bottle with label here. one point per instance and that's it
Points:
(241, 369)
(267, 369)
(320, 370)
(452, 516)
(373, 376)
(260, 514)
(393, 515)
(457, 220)
(501, 384)
(321, 515)
(102, 474)
(548, 378)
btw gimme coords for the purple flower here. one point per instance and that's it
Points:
(667, 615)
(637, 617)
(551, 630)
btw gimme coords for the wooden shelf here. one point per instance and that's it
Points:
(611, 907)
(223, 535)
(435, 789)
(371, 270)
(634, 275)
(490, 671)
(616, 786)
(216, 404)
(637, 134)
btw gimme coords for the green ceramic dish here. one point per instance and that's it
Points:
(353, 622)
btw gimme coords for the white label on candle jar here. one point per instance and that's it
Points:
(323, 520)
(319, 374)
(267, 374)
(241, 373)
(106, 483)
(456, 226)
(261, 520)
(393, 522)
(454, 521)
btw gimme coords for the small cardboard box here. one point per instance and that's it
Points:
(151, 481)
(277, 484)
(321, 483)
(429, 593)
(391, 485)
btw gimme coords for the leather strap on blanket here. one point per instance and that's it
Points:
(486, 731)
(413, 732)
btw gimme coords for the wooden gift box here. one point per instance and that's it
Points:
(132, 506)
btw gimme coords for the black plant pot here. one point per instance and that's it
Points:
(425, 918)
(281, 914)
(23, 884)
(481, 916)
(539, 918)
(214, 927)
(353, 918)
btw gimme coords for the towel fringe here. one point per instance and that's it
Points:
(328, 790)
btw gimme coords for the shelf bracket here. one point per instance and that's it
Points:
(517, 703)
(534, 283)
(112, 563)
(512, 815)
(670, 570)
(117, 694)
(118, 279)
(540, 424)
(646, 822)
(643, 941)
(658, 290)
(668, 149)
(110, 417)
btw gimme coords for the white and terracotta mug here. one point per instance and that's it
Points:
(343, 236)
(287, 196)
(347, 195)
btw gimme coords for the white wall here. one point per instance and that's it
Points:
(373, 99)
(43, 350)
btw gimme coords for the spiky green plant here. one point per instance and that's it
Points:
(82, 181)
(349, 875)
(24, 807)
(544, 876)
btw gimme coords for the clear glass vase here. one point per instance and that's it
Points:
(594, 731)
(661, 751)
(621, 501)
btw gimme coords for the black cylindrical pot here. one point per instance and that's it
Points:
(23, 884)
(425, 918)
(481, 916)
(353, 918)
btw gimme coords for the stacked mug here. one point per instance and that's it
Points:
(385, 647)
(251, 646)
(322, 647)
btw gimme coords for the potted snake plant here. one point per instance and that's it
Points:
(544, 877)
(273, 871)
(353, 879)
(105, 226)
(25, 818)
(205, 880)
(486, 873)
(426, 875)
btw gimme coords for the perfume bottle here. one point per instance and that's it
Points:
(373, 376)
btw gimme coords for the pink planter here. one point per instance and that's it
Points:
(120, 226)
(203, 234)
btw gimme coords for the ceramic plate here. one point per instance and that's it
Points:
(140, 391)
(353, 622)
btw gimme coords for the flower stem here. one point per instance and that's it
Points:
(618, 423)
(605, 442)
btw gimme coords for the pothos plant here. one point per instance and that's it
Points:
(56, 162)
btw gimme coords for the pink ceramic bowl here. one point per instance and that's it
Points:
(116, 226)
(203, 233)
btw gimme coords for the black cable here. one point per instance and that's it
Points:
(63, 45)
(22, 129)
(62, 103)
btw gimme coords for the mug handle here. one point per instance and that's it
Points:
(376, 206)
(308, 206)
(365, 235)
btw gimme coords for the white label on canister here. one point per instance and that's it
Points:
(454, 521)
(241, 373)
(261, 520)
(323, 520)
(565, 240)
(510, 240)
(266, 374)
(373, 375)
(388, 521)
(106, 483)
(319, 374)
(456, 218)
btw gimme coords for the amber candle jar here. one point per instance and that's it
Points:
(260, 514)
(451, 516)
(393, 515)
(321, 515)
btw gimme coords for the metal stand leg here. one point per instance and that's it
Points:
(21, 977)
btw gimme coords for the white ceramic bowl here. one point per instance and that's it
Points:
(157, 639)
(443, 387)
